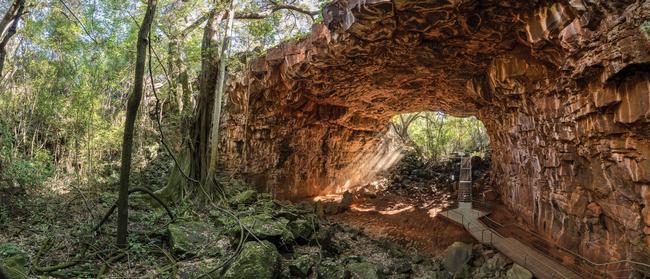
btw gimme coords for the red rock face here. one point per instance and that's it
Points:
(563, 89)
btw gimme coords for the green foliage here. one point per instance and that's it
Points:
(18, 169)
(438, 135)
(69, 73)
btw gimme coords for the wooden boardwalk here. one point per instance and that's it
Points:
(540, 265)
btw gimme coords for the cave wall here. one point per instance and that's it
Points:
(563, 88)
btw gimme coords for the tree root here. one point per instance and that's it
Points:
(172, 262)
(107, 264)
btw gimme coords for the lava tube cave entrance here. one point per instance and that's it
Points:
(410, 177)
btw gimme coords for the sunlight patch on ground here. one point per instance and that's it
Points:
(58, 185)
(397, 209)
(433, 212)
(361, 208)
(328, 198)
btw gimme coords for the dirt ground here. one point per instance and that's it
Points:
(417, 228)
(403, 204)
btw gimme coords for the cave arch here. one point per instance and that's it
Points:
(563, 89)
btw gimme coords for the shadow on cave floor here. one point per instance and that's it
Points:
(402, 205)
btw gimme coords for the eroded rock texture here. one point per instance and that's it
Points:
(563, 88)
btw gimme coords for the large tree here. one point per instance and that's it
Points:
(198, 160)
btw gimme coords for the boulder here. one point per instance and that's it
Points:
(259, 260)
(323, 238)
(364, 270)
(437, 275)
(246, 198)
(301, 266)
(497, 262)
(301, 229)
(264, 226)
(202, 267)
(189, 239)
(518, 272)
(331, 270)
(401, 266)
(456, 256)
(463, 272)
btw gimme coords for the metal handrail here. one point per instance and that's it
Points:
(462, 217)
(468, 226)
(594, 264)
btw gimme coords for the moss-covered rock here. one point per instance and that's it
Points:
(437, 275)
(244, 198)
(301, 266)
(204, 268)
(331, 270)
(258, 260)
(495, 263)
(232, 186)
(189, 239)
(264, 226)
(364, 270)
(301, 229)
(13, 261)
(324, 238)
(401, 266)
(518, 272)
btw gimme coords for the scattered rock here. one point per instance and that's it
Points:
(437, 275)
(257, 260)
(330, 270)
(402, 266)
(301, 266)
(302, 229)
(497, 262)
(364, 270)
(246, 198)
(323, 238)
(518, 272)
(456, 256)
(264, 226)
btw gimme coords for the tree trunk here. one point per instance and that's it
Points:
(205, 104)
(11, 19)
(131, 115)
(216, 116)
(172, 56)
